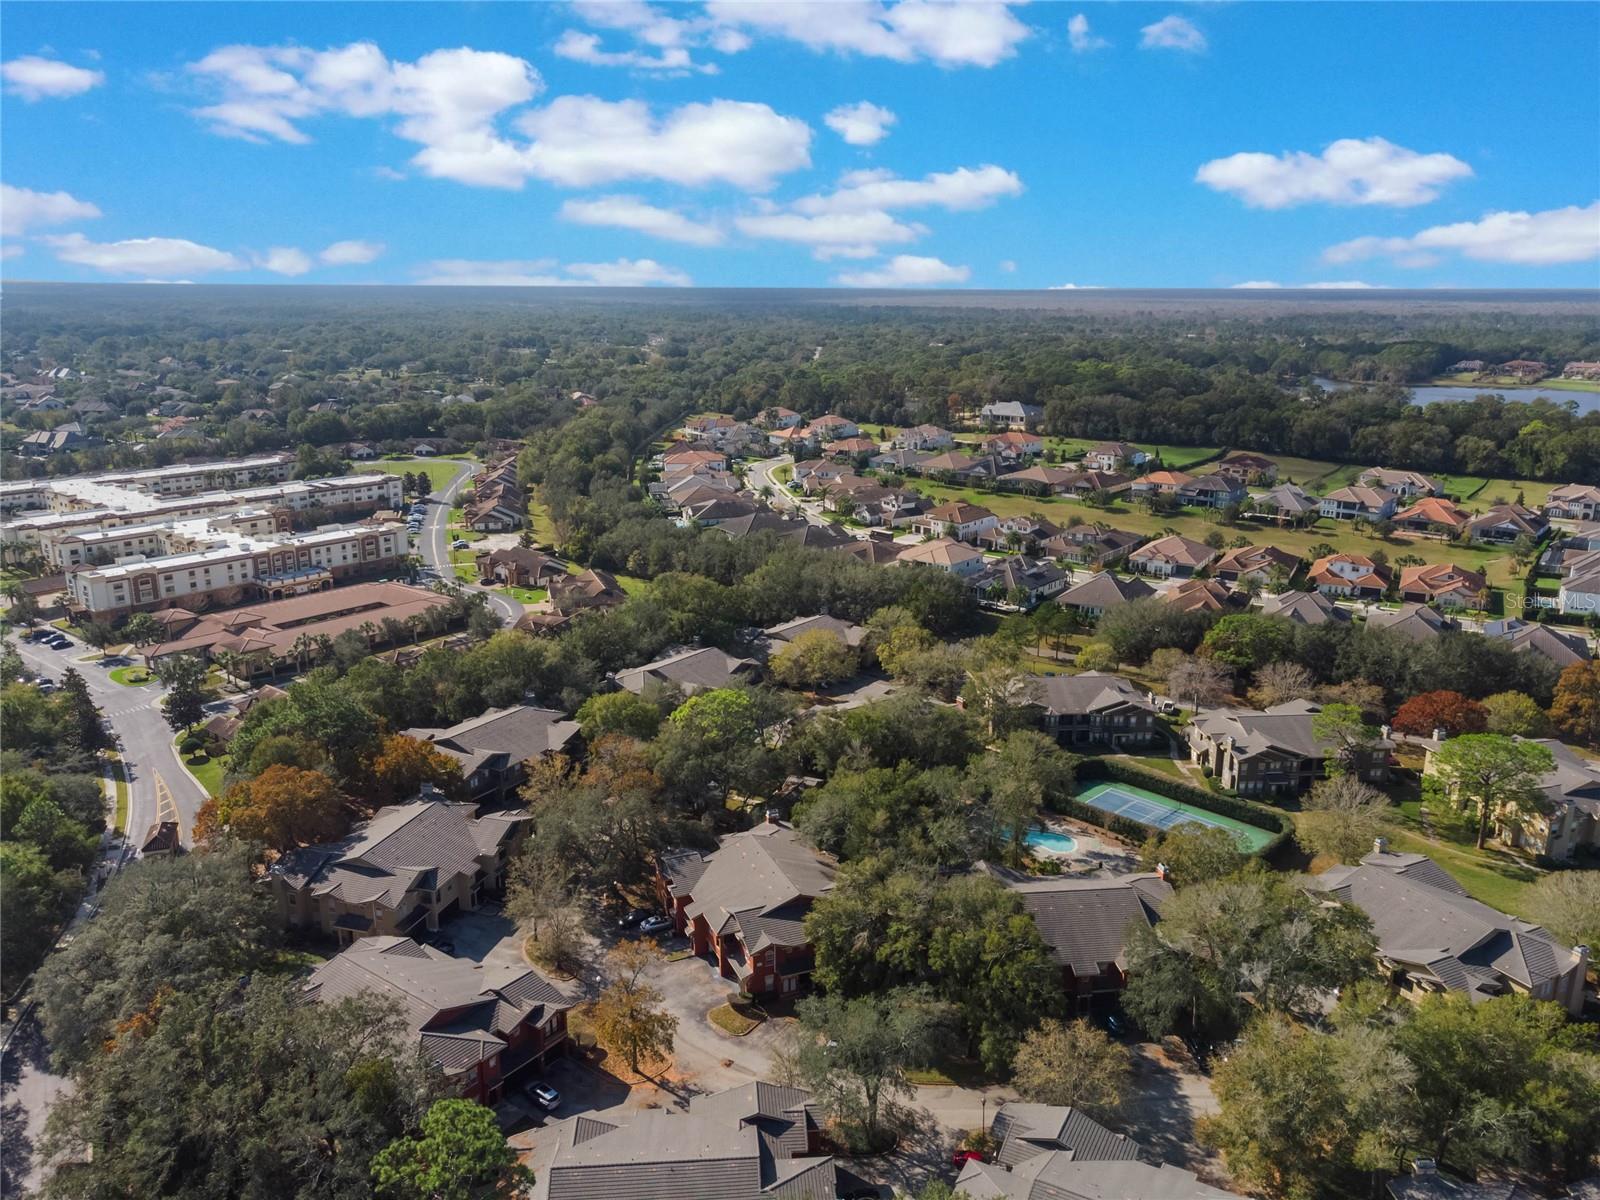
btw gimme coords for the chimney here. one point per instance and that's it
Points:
(1380, 845)
(1439, 735)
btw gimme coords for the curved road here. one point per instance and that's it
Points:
(160, 788)
(436, 550)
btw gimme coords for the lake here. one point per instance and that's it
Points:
(1587, 402)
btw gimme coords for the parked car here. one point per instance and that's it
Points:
(460, 544)
(654, 923)
(542, 1094)
(962, 1157)
(46, 684)
(1114, 1024)
(37, 635)
(59, 642)
(631, 918)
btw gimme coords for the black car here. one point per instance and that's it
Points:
(631, 918)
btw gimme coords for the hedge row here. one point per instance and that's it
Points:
(1110, 770)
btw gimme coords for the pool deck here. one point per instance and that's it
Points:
(1096, 849)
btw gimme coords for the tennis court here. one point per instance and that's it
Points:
(1162, 812)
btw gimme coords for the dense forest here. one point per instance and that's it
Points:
(259, 369)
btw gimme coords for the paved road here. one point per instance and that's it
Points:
(435, 548)
(760, 476)
(160, 788)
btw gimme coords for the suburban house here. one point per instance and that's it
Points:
(518, 567)
(1017, 532)
(407, 867)
(714, 510)
(1026, 582)
(1159, 483)
(1433, 514)
(1095, 708)
(1011, 414)
(1353, 575)
(1261, 564)
(1560, 646)
(1212, 491)
(1433, 937)
(1359, 502)
(1248, 468)
(1507, 523)
(873, 551)
(1094, 595)
(850, 447)
(1092, 545)
(589, 589)
(1171, 557)
(964, 468)
(922, 437)
(698, 427)
(1414, 622)
(1285, 504)
(1201, 595)
(900, 460)
(1114, 456)
(753, 1142)
(1574, 502)
(778, 418)
(944, 554)
(1579, 593)
(480, 1024)
(693, 459)
(1402, 483)
(1014, 444)
(1444, 584)
(742, 905)
(1306, 608)
(690, 671)
(831, 428)
(1272, 752)
(492, 748)
(851, 635)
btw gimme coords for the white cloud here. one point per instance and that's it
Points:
(1350, 171)
(546, 272)
(452, 102)
(154, 257)
(34, 78)
(580, 141)
(625, 272)
(351, 253)
(906, 270)
(1557, 235)
(1173, 33)
(978, 34)
(1258, 284)
(285, 260)
(10, 250)
(1339, 285)
(585, 48)
(1075, 287)
(1082, 40)
(863, 124)
(961, 190)
(22, 209)
(630, 212)
(833, 235)
(1008, 266)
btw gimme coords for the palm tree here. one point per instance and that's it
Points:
(302, 650)
(368, 630)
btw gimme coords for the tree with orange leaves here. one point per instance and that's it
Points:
(281, 808)
(403, 764)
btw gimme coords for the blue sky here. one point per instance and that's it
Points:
(851, 143)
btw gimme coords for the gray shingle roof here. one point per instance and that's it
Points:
(1104, 590)
(1086, 922)
(692, 670)
(519, 732)
(1086, 692)
(1308, 608)
(760, 882)
(1025, 1131)
(789, 630)
(1466, 945)
(1057, 1176)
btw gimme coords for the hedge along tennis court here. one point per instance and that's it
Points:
(1162, 812)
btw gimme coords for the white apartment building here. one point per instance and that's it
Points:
(179, 479)
(229, 567)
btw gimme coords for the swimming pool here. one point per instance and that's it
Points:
(1050, 841)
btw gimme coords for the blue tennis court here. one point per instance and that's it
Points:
(1162, 812)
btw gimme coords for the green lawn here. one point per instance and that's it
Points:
(524, 595)
(123, 793)
(439, 472)
(129, 676)
(540, 523)
(1557, 385)
(209, 772)
(1498, 879)
(630, 584)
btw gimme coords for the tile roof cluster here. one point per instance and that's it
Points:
(1415, 622)
(1201, 595)
(1560, 646)
(1176, 550)
(944, 552)
(1434, 510)
(1439, 581)
(1307, 608)
(593, 588)
(1359, 571)
(1104, 590)
(1246, 560)
(496, 495)
(1413, 482)
(693, 670)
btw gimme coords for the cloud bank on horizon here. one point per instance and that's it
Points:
(852, 143)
